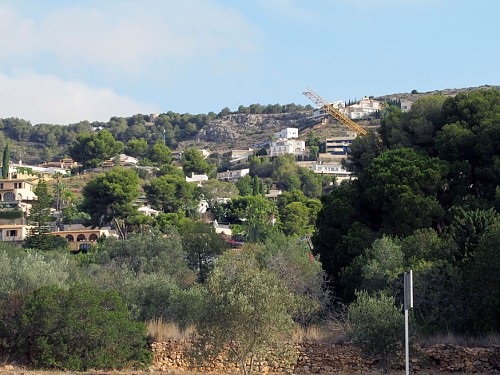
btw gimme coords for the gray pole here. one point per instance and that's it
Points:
(408, 296)
(407, 345)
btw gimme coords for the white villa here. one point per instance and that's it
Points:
(287, 133)
(288, 146)
(233, 175)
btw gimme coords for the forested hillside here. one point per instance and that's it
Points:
(39, 143)
(426, 197)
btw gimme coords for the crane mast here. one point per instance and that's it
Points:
(334, 112)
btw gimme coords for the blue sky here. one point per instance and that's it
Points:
(64, 61)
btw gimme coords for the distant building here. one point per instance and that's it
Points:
(14, 232)
(320, 112)
(406, 105)
(330, 166)
(241, 155)
(82, 238)
(287, 133)
(198, 178)
(122, 160)
(288, 146)
(64, 163)
(16, 197)
(148, 211)
(233, 175)
(338, 146)
(16, 190)
(364, 108)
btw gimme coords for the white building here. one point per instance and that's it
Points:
(320, 112)
(288, 146)
(233, 175)
(335, 169)
(148, 211)
(364, 108)
(123, 160)
(287, 133)
(197, 178)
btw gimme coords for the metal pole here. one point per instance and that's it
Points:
(408, 304)
(407, 344)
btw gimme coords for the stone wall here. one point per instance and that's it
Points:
(334, 358)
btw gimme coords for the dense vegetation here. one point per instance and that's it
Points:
(45, 142)
(425, 197)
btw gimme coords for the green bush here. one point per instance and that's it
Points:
(45, 242)
(11, 214)
(22, 272)
(376, 327)
(75, 330)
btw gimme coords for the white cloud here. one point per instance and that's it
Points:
(48, 99)
(126, 36)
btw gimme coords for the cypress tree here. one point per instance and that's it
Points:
(5, 162)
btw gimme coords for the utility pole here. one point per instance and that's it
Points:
(408, 291)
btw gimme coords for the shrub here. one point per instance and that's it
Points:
(45, 242)
(22, 272)
(246, 311)
(376, 327)
(76, 330)
(12, 214)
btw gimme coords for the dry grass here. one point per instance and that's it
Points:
(160, 331)
(317, 333)
(460, 340)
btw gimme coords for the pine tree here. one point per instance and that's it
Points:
(39, 218)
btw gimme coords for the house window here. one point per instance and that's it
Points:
(84, 247)
(12, 233)
(9, 197)
(1, 185)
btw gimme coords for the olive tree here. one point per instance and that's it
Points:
(376, 327)
(246, 311)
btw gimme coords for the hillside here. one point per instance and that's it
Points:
(446, 92)
(248, 127)
(242, 130)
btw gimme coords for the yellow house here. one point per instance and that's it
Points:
(81, 238)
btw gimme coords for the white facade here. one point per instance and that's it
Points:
(288, 146)
(198, 178)
(148, 211)
(363, 108)
(233, 175)
(287, 133)
(240, 155)
(319, 112)
(335, 169)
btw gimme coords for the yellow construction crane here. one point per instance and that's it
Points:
(334, 112)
